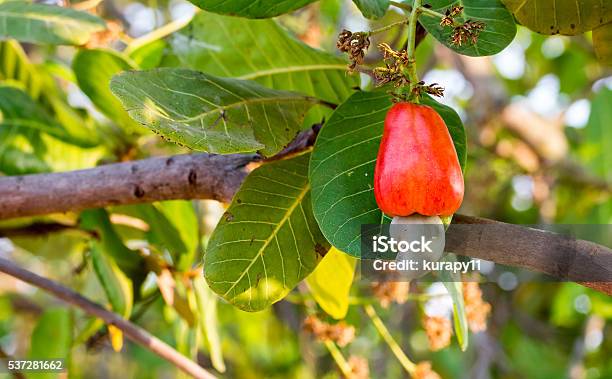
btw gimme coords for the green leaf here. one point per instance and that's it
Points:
(569, 17)
(342, 166)
(15, 66)
(602, 37)
(251, 8)
(330, 283)
(47, 24)
(24, 124)
(268, 239)
(453, 284)
(52, 338)
(264, 52)
(212, 114)
(94, 70)
(117, 286)
(208, 323)
(499, 31)
(372, 8)
(97, 220)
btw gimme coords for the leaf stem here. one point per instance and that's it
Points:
(339, 358)
(431, 13)
(400, 5)
(412, 25)
(438, 15)
(387, 27)
(408, 365)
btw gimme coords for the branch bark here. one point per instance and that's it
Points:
(203, 176)
(132, 331)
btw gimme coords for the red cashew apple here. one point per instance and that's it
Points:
(417, 169)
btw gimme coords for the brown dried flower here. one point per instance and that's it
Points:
(106, 37)
(455, 10)
(439, 331)
(423, 370)
(341, 333)
(467, 33)
(359, 368)
(389, 292)
(476, 309)
(355, 45)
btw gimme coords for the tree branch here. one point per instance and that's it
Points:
(132, 331)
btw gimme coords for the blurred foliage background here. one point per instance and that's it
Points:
(539, 123)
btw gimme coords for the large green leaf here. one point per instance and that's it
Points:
(499, 31)
(52, 338)
(118, 287)
(212, 114)
(94, 70)
(569, 17)
(330, 283)
(372, 8)
(342, 166)
(262, 51)
(602, 43)
(268, 239)
(251, 8)
(47, 24)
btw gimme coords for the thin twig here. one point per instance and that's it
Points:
(132, 331)
(338, 358)
(406, 363)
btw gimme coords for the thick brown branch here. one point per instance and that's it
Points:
(131, 331)
(553, 254)
(197, 176)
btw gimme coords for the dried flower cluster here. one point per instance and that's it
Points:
(355, 45)
(390, 292)
(341, 333)
(439, 331)
(450, 14)
(468, 32)
(359, 368)
(423, 370)
(476, 309)
(395, 64)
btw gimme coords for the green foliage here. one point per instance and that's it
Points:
(342, 166)
(268, 240)
(561, 16)
(251, 8)
(372, 8)
(46, 24)
(330, 283)
(263, 52)
(208, 323)
(118, 287)
(16, 68)
(499, 31)
(452, 282)
(602, 35)
(93, 70)
(52, 338)
(212, 114)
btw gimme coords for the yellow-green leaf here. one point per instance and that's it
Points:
(569, 17)
(330, 283)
